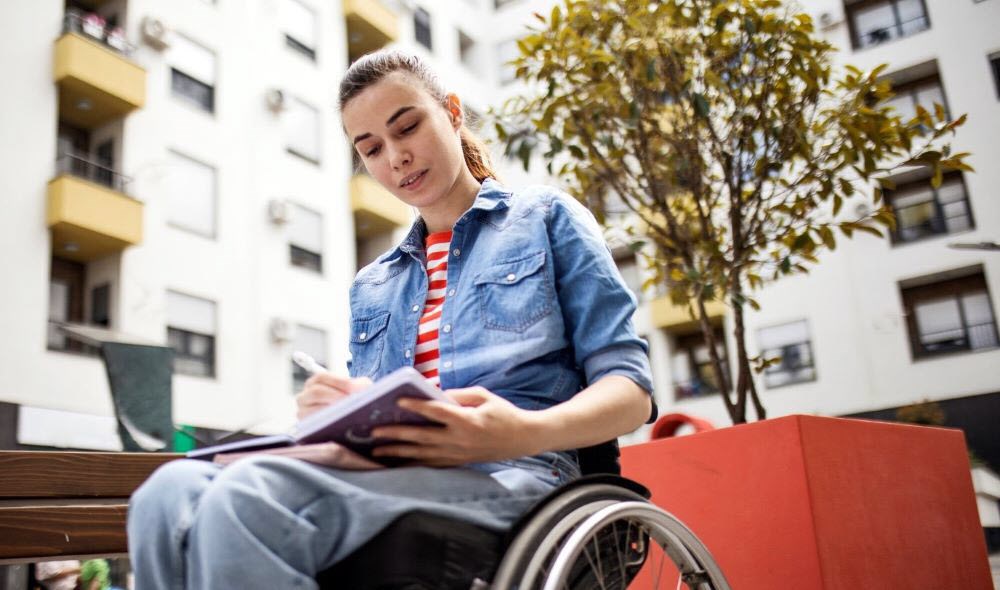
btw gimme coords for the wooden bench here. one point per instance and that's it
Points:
(68, 505)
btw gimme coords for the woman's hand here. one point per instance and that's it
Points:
(483, 427)
(323, 389)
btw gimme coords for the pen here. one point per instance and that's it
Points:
(307, 362)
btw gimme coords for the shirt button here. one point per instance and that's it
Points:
(447, 364)
(511, 277)
(456, 252)
(415, 308)
(362, 335)
(407, 353)
(447, 328)
(451, 293)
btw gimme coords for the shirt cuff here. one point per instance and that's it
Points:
(628, 360)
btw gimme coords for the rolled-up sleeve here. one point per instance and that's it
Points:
(596, 304)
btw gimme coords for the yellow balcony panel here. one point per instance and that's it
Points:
(89, 221)
(376, 210)
(370, 26)
(96, 83)
(668, 315)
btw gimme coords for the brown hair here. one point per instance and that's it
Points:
(373, 67)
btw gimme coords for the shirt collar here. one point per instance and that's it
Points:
(492, 196)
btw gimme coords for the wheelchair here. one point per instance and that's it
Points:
(597, 532)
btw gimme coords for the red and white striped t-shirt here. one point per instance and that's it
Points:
(427, 353)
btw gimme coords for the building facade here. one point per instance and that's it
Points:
(175, 173)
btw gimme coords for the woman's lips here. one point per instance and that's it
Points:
(417, 180)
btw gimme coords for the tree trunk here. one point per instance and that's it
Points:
(738, 417)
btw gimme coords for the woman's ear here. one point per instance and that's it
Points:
(454, 107)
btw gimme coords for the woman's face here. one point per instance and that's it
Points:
(408, 141)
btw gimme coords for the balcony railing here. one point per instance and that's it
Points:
(897, 30)
(970, 337)
(81, 167)
(93, 26)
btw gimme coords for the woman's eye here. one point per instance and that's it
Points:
(409, 128)
(372, 151)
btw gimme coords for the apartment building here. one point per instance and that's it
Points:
(175, 174)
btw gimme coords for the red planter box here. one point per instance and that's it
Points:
(804, 502)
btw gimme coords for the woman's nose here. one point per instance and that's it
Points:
(400, 158)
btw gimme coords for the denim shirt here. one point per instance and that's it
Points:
(535, 307)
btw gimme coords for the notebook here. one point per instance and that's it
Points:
(348, 423)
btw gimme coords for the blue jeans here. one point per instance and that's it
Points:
(272, 522)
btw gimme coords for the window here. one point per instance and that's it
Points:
(299, 24)
(300, 125)
(877, 21)
(950, 315)
(305, 238)
(422, 27)
(791, 345)
(507, 52)
(467, 50)
(691, 365)
(925, 92)
(191, 333)
(923, 211)
(995, 64)
(192, 73)
(192, 195)
(66, 288)
(311, 341)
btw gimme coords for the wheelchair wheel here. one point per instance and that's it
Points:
(601, 537)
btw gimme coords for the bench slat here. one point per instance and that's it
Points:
(35, 533)
(59, 474)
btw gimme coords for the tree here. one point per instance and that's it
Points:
(721, 126)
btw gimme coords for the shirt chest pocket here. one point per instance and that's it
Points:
(367, 343)
(514, 294)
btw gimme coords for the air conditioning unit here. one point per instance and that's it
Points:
(862, 210)
(279, 211)
(282, 331)
(276, 100)
(155, 33)
(829, 20)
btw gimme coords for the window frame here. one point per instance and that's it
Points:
(776, 369)
(939, 219)
(419, 25)
(209, 359)
(187, 332)
(316, 159)
(297, 45)
(852, 8)
(946, 288)
(176, 74)
(214, 234)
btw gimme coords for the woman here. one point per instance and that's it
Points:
(510, 303)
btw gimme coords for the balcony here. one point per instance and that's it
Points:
(88, 211)
(668, 315)
(97, 81)
(375, 209)
(370, 26)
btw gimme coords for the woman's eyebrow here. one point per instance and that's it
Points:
(388, 122)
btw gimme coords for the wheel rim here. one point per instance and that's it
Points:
(696, 566)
